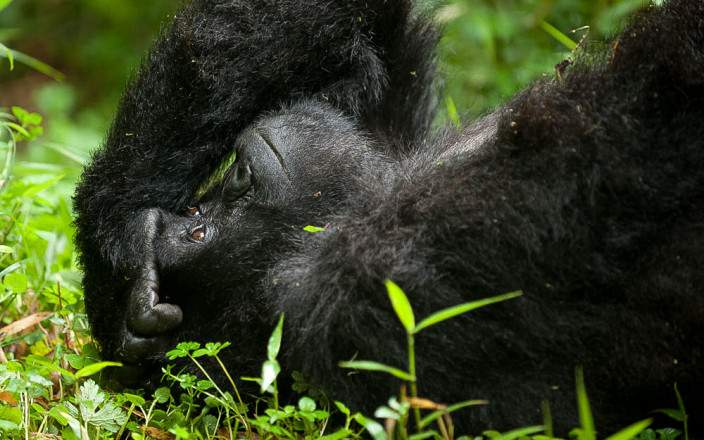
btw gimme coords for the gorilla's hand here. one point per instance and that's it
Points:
(146, 316)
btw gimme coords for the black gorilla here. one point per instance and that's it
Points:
(585, 191)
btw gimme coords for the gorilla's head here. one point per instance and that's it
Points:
(291, 168)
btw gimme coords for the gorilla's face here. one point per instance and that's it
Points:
(293, 168)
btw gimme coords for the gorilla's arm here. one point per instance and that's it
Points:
(219, 65)
(562, 202)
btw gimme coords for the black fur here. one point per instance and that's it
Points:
(583, 191)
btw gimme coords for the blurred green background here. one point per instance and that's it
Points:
(490, 50)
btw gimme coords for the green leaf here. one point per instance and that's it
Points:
(6, 249)
(270, 371)
(272, 349)
(4, 4)
(6, 52)
(182, 350)
(36, 188)
(376, 366)
(430, 418)
(424, 435)
(217, 176)
(133, 399)
(33, 63)
(674, 414)
(451, 312)
(631, 431)
(17, 282)
(337, 435)
(557, 35)
(162, 395)
(519, 433)
(452, 111)
(401, 306)
(95, 368)
(313, 229)
(306, 404)
(342, 408)
(373, 427)
(585, 413)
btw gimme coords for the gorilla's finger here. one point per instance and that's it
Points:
(146, 316)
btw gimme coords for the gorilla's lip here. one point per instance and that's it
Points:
(279, 157)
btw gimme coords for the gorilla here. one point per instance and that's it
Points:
(251, 119)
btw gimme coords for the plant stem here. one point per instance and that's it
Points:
(232, 382)
(412, 372)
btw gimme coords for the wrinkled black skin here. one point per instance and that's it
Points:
(583, 191)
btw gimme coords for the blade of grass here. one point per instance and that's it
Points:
(631, 431)
(585, 413)
(376, 366)
(451, 312)
(558, 35)
(401, 306)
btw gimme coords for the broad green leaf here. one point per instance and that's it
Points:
(11, 414)
(17, 282)
(401, 306)
(6, 249)
(270, 371)
(373, 427)
(585, 412)
(631, 431)
(306, 404)
(134, 399)
(162, 394)
(376, 366)
(451, 312)
(95, 368)
(430, 418)
(272, 349)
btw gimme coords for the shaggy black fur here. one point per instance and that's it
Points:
(586, 192)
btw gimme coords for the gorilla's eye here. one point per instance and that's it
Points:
(193, 211)
(198, 234)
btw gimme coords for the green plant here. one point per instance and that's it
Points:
(404, 312)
